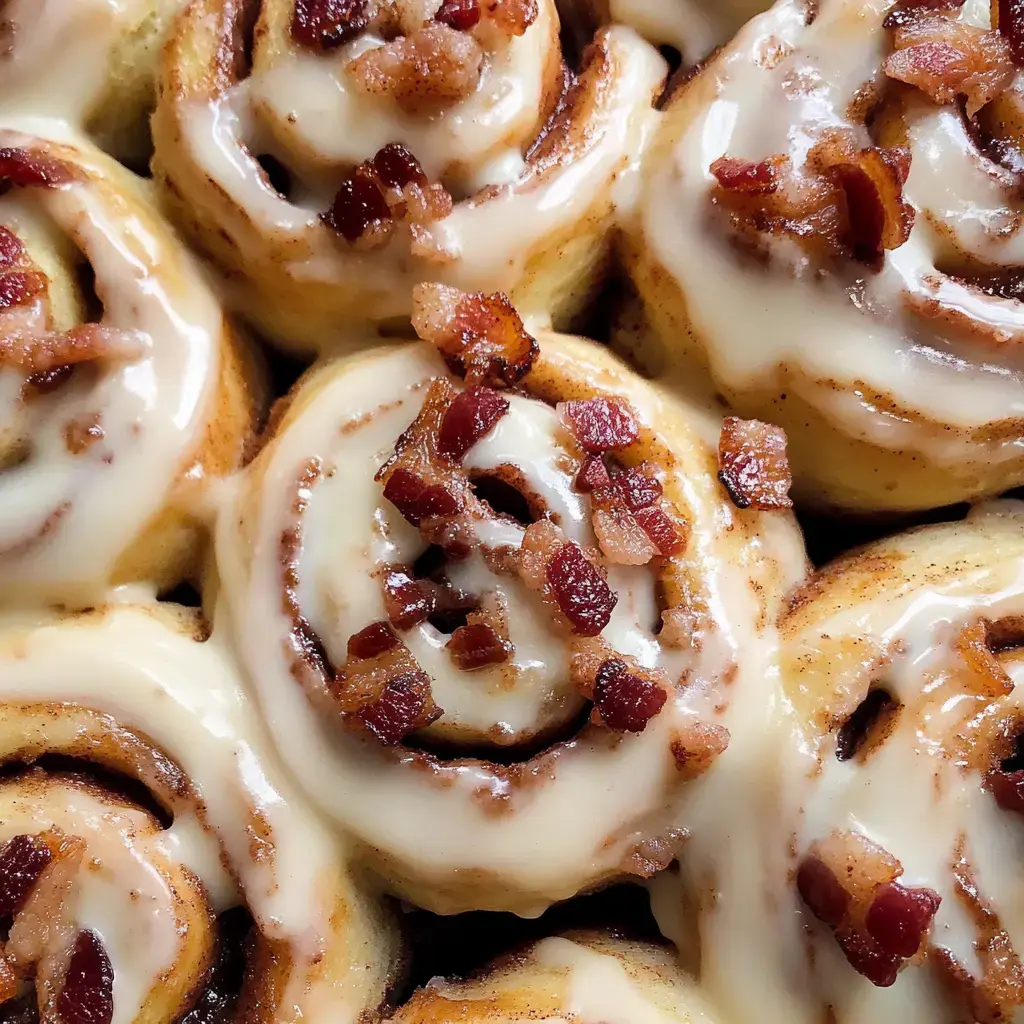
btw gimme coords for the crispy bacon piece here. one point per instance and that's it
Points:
(622, 539)
(511, 17)
(21, 168)
(484, 639)
(1011, 27)
(472, 415)
(416, 499)
(425, 73)
(945, 58)
(22, 861)
(390, 188)
(601, 424)
(33, 353)
(573, 582)
(19, 287)
(697, 745)
(12, 252)
(1007, 788)
(407, 601)
(752, 464)
(593, 475)
(88, 993)
(375, 639)
(326, 24)
(626, 701)
(402, 707)
(461, 15)
(758, 178)
(849, 883)
(481, 337)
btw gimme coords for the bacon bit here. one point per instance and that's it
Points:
(471, 416)
(541, 542)
(638, 487)
(945, 58)
(697, 746)
(82, 433)
(19, 287)
(481, 337)
(667, 534)
(461, 15)
(973, 645)
(407, 602)
(326, 24)
(580, 589)
(374, 640)
(1011, 27)
(417, 500)
(601, 424)
(849, 883)
(752, 464)
(477, 645)
(626, 701)
(11, 249)
(391, 187)
(1007, 788)
(20, 168)
(33, 353)
(22, 861)
(511, 17)
(425, 73)
(760, 178)
(622, 539)
(593, 475)
(10, 986)
(403, 706)
(88, 993)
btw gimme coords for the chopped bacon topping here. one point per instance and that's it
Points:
(697, 745)
(326, 24)
(472, 415)
(11, 249)
(407, 601)
(1011, 27)
(389, 189)
(22, 861)
(481, 337)
(375, 639)
(511, 17)
(484, 639)
(1008, 789)
(593, 475)
(626, 701)
(621, 537)
(461, 15)
(19, 287)
(88, 993)
(425, 73)
(752, 464)
(754, 178)
(416, 499)
(403, 706)
(849, 883)
(601, 424)
(945, 58)
(20, 168)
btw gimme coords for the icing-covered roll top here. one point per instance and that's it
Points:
(333, 155)
(493, 562)
(115, 362)
(903, 662)
(152, 864)
(91, 62)
(849, 169)
(587, 977)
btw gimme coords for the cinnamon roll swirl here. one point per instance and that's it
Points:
(327, 157)
(91, 62)
(154, 864)
(124, 392)
(831, 229)
(494, 601)
(587, 976)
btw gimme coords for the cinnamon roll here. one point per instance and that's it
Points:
(124, 392)
(830, 229)
(494, 601)
(327, 157)
(154, 863)
(92, 62)
(587, 976)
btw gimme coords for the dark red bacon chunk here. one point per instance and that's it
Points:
(899, 918)
(461, 15)
(755, 178)
(581, 591)
(625, 700)
(22, 860)
(471, 416)
(407, 601)
(417, 500)
(11, 249)
(820, 890)
(1008, 789)
(403, 706)
(18, 287)
(88, 993)
(359, 208)
(593, 475)
(326, 24)
(477, 645)
(20, 168)
(375, 639)
(601, 424)
(753, 465)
